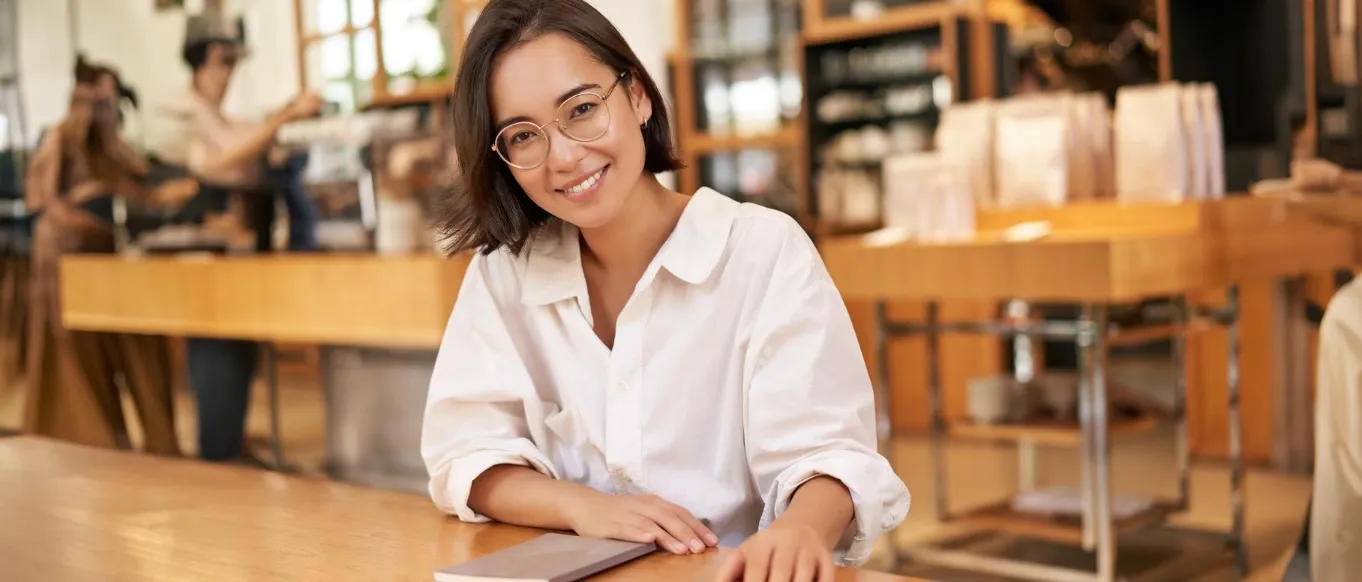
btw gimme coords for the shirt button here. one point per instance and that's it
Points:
(622, 386)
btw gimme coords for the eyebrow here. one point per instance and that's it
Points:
(570, 93)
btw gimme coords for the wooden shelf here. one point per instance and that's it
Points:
(1046, 433)
(704, 143)
(1065, 529)
(349, 29)
(912, 17)
(423, 92)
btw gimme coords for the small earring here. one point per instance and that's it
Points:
(645, 125)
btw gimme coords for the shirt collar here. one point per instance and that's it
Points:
(552, 266)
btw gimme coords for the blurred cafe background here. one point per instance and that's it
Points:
(989, 181)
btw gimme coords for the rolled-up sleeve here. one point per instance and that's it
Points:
(481, 401)
(810, 408)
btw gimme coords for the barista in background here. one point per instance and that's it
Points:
(230, 161)
(78, 165)
(285, 168)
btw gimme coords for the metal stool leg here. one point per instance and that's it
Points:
(1236, 434)
(1092, 357)
(1182, 444)
(934, 402)
(272, 383)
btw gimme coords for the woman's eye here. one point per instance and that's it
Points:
(522, 137)
(583, 109)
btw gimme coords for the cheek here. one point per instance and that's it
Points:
(533, 182)
(623, 144)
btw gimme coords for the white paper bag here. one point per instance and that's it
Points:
(1193, 128)
(927, 196)
(965, 134)
(1099, 140)
(1082, 160)
(1209, 100)
(1151, 152)
(1032, 152)
(907, 180)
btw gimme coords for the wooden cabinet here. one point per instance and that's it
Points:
(738, 100)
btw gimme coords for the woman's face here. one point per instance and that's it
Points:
(106, 88)
(82, 106)
(550, 82)
(106, 100)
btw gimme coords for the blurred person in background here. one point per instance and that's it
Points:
(79, 164)
(230, 160)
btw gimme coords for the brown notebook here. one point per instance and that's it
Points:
(551, 557)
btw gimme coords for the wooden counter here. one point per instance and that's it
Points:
(1107, 251)
(75, 513)
(362, 300)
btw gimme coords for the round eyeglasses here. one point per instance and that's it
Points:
(582, 117)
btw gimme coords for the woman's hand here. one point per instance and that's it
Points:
(87, 190)
(638, 518)
(175, 192)
(303, 106)
(780, 554)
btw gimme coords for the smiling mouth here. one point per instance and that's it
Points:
(586, 186)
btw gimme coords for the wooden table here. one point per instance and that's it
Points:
(72, 513)
(357, 308)
(343, 299)
(1097, 255)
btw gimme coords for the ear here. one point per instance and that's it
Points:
(643, 106)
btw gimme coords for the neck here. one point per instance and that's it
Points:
(631, 243)
(76, 133)
(214, 97)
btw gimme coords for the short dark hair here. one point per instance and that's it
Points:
(89, 73)
(485, 209)
(195, 54)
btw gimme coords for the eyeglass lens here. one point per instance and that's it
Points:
(585, 117)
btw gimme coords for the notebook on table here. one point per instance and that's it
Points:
(551, 557)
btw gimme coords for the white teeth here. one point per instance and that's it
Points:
(586, 184)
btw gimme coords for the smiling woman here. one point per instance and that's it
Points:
(536, 90)
(626, 361)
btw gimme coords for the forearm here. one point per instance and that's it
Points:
(822, 504)
(247, 147)
(522, 496)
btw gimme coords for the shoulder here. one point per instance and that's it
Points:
(768, 237)
(1344, 312)
(499, 271)
(51, 139)
(49, 149)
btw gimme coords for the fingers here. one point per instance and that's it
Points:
(731, 568)
(635, 534)
(784, 558)
(706, 535)
(664, 539)
(826, 571)
(806, 567)
(666, 516)
(758, 558)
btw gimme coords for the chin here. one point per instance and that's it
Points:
(590, 215)
(591, 209)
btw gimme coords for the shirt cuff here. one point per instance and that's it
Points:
(879, 497)
(450, 493)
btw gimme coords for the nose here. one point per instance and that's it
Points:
(564, 152)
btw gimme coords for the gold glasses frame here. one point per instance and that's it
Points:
(562, 127)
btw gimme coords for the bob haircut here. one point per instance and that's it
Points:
(88, 73)
(486, 209)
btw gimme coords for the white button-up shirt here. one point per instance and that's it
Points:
(1335, 533)
(735, 377)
